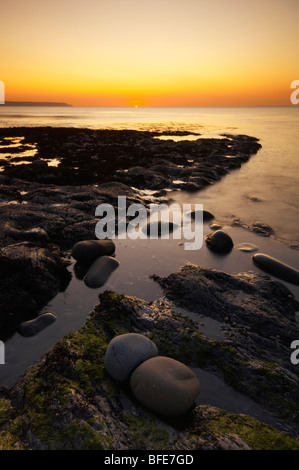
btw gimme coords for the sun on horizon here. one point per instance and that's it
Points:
(139, 53)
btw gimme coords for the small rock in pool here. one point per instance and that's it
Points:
(219, 241)
(159, 229)
(248, 247)
(100, 271)
(277, 268)
(32, 327)
(165, 385)
(215, 227)
(262, 229)
(206, 215)
(125, 352)
(86, 251)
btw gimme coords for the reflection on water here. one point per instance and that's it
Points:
(18, 153)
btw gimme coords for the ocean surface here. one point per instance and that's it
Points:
(264, 189)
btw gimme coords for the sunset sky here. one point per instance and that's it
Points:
(150, 52)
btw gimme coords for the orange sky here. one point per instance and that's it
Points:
(150, 52)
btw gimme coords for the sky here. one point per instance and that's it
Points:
(150, 52)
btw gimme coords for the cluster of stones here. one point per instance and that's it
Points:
(220, 242)
(160, 383)
(98, 256)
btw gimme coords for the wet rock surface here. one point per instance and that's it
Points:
(30, 277)
(136, 158)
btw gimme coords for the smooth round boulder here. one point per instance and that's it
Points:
(206, 215)
(219, 241)
(159, 229)
(125, 352)
(277, 268)
(100, 271)
(32, 327)
(215, 227)
(165, 386)
(86, 251)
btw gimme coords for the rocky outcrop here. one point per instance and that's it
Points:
(30, 276)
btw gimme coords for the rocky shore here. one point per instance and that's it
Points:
(47, 209)
(68, 400)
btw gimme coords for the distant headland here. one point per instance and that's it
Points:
(34, 103)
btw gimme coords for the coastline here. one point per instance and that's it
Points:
(46, 209)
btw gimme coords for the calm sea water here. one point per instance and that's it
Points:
(264, 189)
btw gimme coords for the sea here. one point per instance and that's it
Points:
(264, 189)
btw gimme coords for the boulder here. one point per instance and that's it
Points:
(165, 386)
(86, 251)
(125, 352)
(277, 268)
(206, 215)
(219, 241)
(100, 271)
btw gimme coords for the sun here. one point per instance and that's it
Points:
(136, 103)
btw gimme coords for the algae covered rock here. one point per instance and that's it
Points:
(125, 352)
(165, 386)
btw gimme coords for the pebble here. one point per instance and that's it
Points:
(125, 352)
(86, 251)
(100, 271)
(219, 241)
(215, 227)
(165, 386)
(248, 247)
(277, 268)
(32, 327)
(159, 228)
